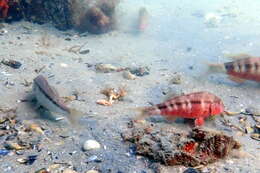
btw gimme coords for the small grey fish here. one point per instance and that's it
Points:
(49, 98)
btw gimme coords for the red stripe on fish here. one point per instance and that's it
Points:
(197, 105)
(248, 68)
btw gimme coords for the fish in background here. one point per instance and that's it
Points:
(48, 97)
(198, 106)
(4, 8)
(244, 67)
(142, 20)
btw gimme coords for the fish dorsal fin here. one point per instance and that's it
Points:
(55, 91)
(238, 56)
(236, 79)
(171, 95)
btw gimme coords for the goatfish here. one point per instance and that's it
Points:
(142, 20)
(197, 105)
(48, 97)
(244, 67)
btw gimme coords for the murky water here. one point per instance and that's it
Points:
(181, 37)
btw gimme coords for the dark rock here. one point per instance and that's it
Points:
(12, 63)
(191, 170)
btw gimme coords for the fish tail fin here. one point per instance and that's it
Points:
(143, 112)
(74, 116)
(216, 68)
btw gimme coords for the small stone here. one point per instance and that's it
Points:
(92, 171)
(91, 145)
(63, 65)
(69, 171)
(68, 39)
(83, 52)
(191, 170)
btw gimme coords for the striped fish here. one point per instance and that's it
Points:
(142, 20)
(49, 98)
(198, 106)
(244, 67)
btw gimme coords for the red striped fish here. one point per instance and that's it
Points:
(198, 106)
(142, 20)
(246, 67)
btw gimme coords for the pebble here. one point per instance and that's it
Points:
(91, 145)
(92, 171)
(69, 171)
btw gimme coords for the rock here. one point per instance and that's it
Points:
(92, 171)
(69, 171)
(91, 145)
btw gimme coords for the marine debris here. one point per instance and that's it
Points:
(112, 95)
(170, 146)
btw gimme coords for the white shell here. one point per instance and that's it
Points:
(91, 145)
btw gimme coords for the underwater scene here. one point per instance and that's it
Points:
(129, 86)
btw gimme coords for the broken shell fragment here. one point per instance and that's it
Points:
(43, 170)
(92, 171)
(13, 146)
(105, 68)
(28, 160)
(255, 136)
(69, 171)
(249, 129)
(36, 128)
(104, 102)
(128, 75)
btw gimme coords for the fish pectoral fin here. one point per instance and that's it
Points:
(236, 79)
(199, 121)
(170, 118)
(238, 56)
(74, 116)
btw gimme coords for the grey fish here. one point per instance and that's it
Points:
(49, 98)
